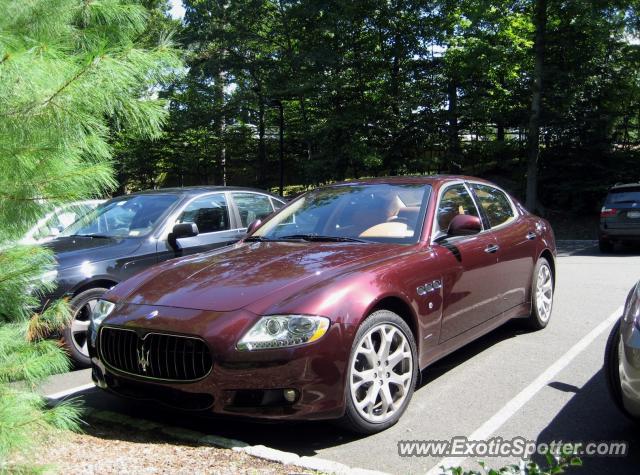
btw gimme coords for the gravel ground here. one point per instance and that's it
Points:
(111, 449)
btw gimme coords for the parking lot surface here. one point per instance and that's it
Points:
(543, 386)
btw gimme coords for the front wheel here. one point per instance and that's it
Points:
(541, 295)
(612, 370)
(76, 335)
(382, 373)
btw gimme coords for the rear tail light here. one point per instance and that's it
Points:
(607, 212)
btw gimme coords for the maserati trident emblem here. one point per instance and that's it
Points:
(143, 358)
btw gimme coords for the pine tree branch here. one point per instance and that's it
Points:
(67, 83)
(77, 76)
(78, 173)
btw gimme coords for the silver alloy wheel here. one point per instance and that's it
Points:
(80, 327)
(544, 293)
(381, 373)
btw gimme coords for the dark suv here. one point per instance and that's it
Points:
(620, 216)
(130, 233)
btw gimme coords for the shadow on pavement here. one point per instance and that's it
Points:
(302, 438)
(590, 248)
(591, 415)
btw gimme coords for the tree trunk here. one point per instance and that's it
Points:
(221, 128)
(454, 151)
(533, 139)
(395, 157)
(262, 151)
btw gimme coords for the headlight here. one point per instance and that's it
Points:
(101, 311)
(282, 331)
(632, 306)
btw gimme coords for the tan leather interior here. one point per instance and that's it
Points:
(393, 229)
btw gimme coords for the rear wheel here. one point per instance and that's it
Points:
(541, 295)
(75, 336)
(605, 246)
(382, 373)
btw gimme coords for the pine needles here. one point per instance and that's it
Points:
(71, 73)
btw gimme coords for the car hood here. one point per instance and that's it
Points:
(71, 251)
(245, 273)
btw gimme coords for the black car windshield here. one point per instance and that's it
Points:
(624, 195)
(360, 212)
(125, 217)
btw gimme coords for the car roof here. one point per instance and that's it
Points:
(196, 190)
(412, 180)
(618, 186)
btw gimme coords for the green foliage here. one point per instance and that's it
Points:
(392, 87)
(26, 419)
(71, 73)
(554, 465)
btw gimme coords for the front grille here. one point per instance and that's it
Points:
(156, 355)
(162, 394)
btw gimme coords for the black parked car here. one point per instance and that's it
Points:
(620, 216)
(130, 233)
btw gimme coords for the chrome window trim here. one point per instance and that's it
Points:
(171, 219)
(271, 198)
(119, 371)
(441, 192)
(514, 208)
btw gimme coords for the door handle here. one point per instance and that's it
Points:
(492, 249)
(531, 235)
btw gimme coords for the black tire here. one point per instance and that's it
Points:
(612, 372)
(536, 320)
(605, 246)
(352, 420)
(79, 311)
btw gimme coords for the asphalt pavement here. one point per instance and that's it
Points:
(542, 386)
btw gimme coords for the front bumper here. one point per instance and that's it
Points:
(242, 382)
(629, 368)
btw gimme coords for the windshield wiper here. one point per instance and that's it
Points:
(98, 236)
(320, 238)
(256, 239)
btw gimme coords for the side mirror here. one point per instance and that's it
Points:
(184, 230)
(464, 225)
(254, 225)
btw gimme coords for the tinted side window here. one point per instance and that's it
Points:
(495, 203)
(277, 204)
(252, 206)
(210, 213)
(454, 201)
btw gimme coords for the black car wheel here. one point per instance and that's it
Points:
(76, 335)
(612, 369)
(605, 246)
(382, 373)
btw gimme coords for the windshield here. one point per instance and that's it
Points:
(61, 218)
(127, 217)
(624, 195)
(378, 213)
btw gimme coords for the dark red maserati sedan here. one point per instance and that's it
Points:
(329, 309)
